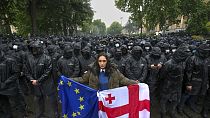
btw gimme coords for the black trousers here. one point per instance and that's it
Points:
(166, 105)
(10, 105)
(206, 104)
(40, 106)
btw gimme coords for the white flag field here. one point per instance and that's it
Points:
(125, 102)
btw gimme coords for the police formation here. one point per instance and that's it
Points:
(175, 67)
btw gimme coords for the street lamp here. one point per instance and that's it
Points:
(141, 9)
(121, 20)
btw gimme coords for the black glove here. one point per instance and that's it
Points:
(2, 85)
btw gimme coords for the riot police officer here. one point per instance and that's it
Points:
(38, 68)
(136, 65)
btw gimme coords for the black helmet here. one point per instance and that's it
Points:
(36, 48)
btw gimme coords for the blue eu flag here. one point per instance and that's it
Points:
(78, 101)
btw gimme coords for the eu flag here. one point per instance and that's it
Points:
(78, 101)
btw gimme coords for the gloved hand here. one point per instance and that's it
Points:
(2, 85)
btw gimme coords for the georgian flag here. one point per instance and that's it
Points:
(125, 102)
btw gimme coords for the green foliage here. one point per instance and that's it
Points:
(166, 12)
(98, 27)
(154, 11)
(87, 27)
(131, 27)
(7, 15)
(115, 28)
(45, 16)
(208, 26)
(198, 20)
(197, 37)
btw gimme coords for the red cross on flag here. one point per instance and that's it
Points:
(125, 102)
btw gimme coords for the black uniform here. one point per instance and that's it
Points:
(155, 60)
(197, 77)
(10, 93)
(68, 65)
(173, 72)
(136, 65)
(85, 59)
(119, 61)
(38, 67)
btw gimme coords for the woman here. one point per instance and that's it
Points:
(103, 75)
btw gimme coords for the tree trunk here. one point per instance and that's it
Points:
(64, 28)
(6, 25)
(33, 16)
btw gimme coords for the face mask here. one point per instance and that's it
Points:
(35, 51)
(173, 50)
(118, 56)
(117, 45)
(203, 53)
(76, 51)
(137, 55)
(156, 55)
(68, 54)
(15, 47)
(167, 51)
(50, 52)
(86, 54)
(147, 48)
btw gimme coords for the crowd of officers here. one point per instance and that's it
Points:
(175, 67)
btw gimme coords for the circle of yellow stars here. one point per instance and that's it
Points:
(81, 99)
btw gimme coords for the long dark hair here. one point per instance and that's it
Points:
(109, 66)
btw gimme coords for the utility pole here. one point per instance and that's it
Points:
(121, 20)
(141, 9)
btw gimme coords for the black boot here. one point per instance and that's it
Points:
(180, 111)
(204, 113)
(194, 108)
(172, 114)
(162, 115)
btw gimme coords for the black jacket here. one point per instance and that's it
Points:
(9, 74)
(173, 74)
(68, 67)
(136, 70)
(39, 68)
(197, 75)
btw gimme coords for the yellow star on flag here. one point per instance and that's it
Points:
(65, 116)
(74, 114)
(81, 99)
(58, 88)
(78, 113)
(76, 91)
(81, 107)
(69, 83)
(61, 82)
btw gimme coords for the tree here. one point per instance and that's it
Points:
(87, 28)
(45, 16)
(162, 12)
(7, 15)
(208, 26)
(131, 27)
(165, 13)
(99, 27)
(115, 28)
(208, 10)
(132, 6)
(198, 18)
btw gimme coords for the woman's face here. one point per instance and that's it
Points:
(102, 61)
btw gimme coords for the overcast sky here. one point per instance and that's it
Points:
(107, 12)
